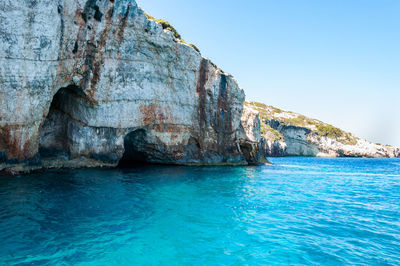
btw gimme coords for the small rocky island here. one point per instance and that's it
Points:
(92, 83)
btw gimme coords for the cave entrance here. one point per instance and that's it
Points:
(135, 144)
(54, 137)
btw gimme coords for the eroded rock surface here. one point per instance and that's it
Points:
(252, 144)
(292, 134)
(85, 83)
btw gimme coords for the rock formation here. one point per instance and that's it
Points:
(89, 83)
(291, 134)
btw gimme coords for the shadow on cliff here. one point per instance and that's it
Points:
(56, 131)
(134, 144)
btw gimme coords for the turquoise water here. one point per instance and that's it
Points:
(306, 211)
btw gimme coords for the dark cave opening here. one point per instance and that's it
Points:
(134, 144)
(54, 140)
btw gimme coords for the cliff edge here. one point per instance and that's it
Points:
(90, 83)
(291, 134)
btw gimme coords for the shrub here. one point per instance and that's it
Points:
(270, 133)
(261, 105)
(297, 121)
(276, 110)
(329, 131)
(336, 134)
(216, 67)
(349, 140)
(149, 16)
(213, 64)
(167, 26)
(194, 47)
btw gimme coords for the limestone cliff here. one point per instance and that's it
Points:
(291, 134)
(87, 83)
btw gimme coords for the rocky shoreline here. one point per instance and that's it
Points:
(291, 134)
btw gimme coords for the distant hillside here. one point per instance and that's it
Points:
(291, 134)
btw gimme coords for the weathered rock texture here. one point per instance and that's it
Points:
(252, 144)
(90, 82)
(291, 134)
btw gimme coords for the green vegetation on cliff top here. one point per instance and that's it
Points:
(167, 26)
(287, 118)
(332, 132)
(270, 133)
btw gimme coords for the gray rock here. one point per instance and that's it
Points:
(87, 83)
(303, 136)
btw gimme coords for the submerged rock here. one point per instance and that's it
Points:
(290, 134)
(88, 83)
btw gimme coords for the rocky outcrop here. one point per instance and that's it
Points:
(275, 148)
(291, 134)
(90, 83)
(252, 144)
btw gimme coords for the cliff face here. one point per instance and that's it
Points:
(291, 134)
(90, 83)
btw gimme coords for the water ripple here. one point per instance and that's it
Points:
(300, 211)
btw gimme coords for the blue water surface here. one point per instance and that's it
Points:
(300, 211)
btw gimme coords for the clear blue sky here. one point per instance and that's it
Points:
(334, 60)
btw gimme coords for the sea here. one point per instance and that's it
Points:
(298, 211)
